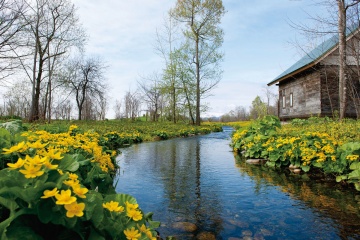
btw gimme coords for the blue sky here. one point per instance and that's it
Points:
(258, 44)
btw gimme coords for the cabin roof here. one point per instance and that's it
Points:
(312, 58)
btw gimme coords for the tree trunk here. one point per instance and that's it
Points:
(197, 122)
(342, 59)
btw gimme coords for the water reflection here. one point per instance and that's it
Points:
(195, 180)
(340, 203)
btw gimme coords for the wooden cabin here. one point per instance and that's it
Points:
(310, 87)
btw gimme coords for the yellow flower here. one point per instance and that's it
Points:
(134, 214)
(352, 157)
(73, 176)
(16, 165)
(80, 192)
(60, 171)
(48, 164)
(74, 209)
(36, 144)
(53, 154)
(132, 234)
(147, 231)
(64, 197)
(31, 171)
(17, 148)
(71, 182)
(72, 127)
(36, 160)
(50, 193)
(130, 206)
(113, 206)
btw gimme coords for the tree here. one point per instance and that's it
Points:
(117, 109)
(329, 25)
(342, 9)
(16, 100)
(52, 28)
(132, 105)
(202, 19)
(11, 26)
(152, 95)
(166, 45)
(258, 108)
(84, 78)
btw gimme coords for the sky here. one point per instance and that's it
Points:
(258, 44)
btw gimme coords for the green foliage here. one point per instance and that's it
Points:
(13, 126)
(317, 143)
(31, 190)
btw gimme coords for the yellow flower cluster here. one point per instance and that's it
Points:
(36, 166)
(133, 212)
(352, 157)
(66, 142)
(135, 234)
(68, 198)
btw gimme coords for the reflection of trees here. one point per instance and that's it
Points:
(178, 162)
(343, 206)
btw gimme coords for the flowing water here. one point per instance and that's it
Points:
(198, 180)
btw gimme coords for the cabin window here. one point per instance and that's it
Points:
(283, 102)
(291, 99)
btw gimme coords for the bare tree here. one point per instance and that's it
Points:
(132, 105)
(117, 109)
(52, 28)
(342, 9)
(338, 21)
(85, 79)
(11, 26)
(152, 94)
(63, 109)
(16, 101)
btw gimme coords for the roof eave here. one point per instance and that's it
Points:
(306, 67)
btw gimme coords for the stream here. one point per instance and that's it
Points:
(195, 186)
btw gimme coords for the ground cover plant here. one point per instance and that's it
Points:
(131, 131)
(315, 144)
(56, 180)
(60, 186)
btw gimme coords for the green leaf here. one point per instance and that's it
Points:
(22, 232)
(94, 235)
(317, 164)
(121, 198)
(270, 164)
(305, 168)
(355, 166)
(8, 203)
(357, 186)
(69, 163)
(354, 174)
(93, 208)
(44, 210)
(340, 178)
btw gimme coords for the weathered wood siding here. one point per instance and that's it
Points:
(330, 92)
(306, 92)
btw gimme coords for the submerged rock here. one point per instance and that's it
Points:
(185, 226)
(255, 161)
(206, 236)
(247, 233)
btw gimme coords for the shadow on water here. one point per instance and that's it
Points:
(195, 185)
